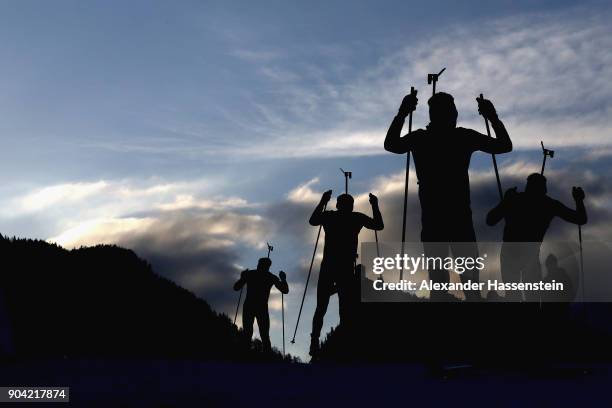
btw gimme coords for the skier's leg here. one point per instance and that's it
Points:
(263, 321)
(247, 320)
(325, 288)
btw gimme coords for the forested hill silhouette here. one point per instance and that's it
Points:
(105, 301)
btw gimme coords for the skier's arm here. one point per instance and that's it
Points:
(317, 216)
(281, 282)
(501, 143)
(240, 283)
(578, 216)
(499, 211)
(394, 142)
(375, 223)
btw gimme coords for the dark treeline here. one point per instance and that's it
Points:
(105, 301)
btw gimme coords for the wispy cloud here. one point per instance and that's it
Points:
(548, 75)
(112, 197)
(257, 56)
(60, 194)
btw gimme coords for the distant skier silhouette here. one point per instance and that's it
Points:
(557, 308)
(259, 282)
(559, 275)
(339, 255)
(528, 216)
(442, 154)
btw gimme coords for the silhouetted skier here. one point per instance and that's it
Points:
(442, 154)
(559, 275)
(259, 282)
(556, 310)
(339, 255)
(528, 216)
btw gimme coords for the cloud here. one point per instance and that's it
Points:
(548, 75)
(68, 205)
(196, 248)
(200, 242)
(304, 193)
(100, 231)
(255, 55)
(194, 239)
(189, 235)
(202, 246)
(484, 195)
(59, 194)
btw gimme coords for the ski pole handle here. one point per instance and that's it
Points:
(412, 92)
(485, 119)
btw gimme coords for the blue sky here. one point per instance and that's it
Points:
(196, 131)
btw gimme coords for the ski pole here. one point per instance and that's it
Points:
(545, 153)
(307, 280)
(584, 306)
(499, 186)
(283, 318)
(376, 239)
(238, 306)
(412, 92)
(582, 268)
(377, 252)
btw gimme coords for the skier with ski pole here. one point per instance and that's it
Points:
(551, 153)
(258, 283)
(442, 154)
(270, 248)
(527, 217)
(337, 267)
